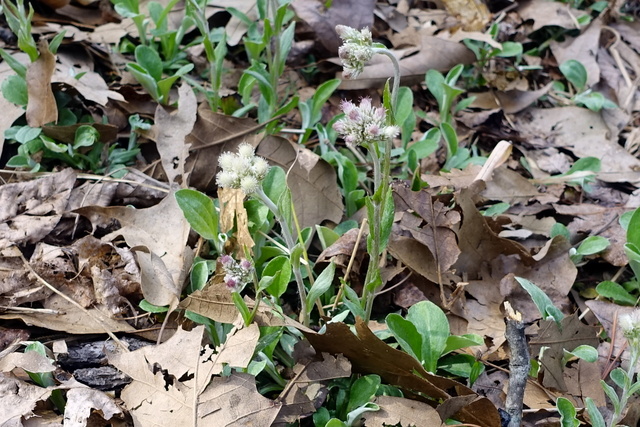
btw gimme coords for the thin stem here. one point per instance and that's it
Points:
(290, 242)
(396, 75)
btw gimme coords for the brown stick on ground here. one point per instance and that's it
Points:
(519, 365)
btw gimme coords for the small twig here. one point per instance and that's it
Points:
(350, 265)
(519, 365)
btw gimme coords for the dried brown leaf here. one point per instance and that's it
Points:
(19, 399)
(233, 214)
(163, 257)
(405, 412)
(41, 107)
(473, 15)
(312, 181)
(172, 129)
(368, 354)
(30, 210)
(81, 403)
(569, 335)
(322, 20)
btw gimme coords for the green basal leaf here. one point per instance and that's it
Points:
(460, 365)
(575, 72)
(497, 209)
(281, 267)
(456, 342)
(362, 391)
(334, 422)
(593, 245)
(150, 308)
(26, 134)
(432, 324)
(633, 229)
(405, 104)
(274, 183)
(14, 89)
(406, 334)
(510, 49)
(559, 229)
(616, 293)
(619, 377)
(145, 79)
(611, 394)
(85, 136)
(435, 83)
(323, 93)
(541, 300)
(633, 254)
(596, 418)
(50, 144)
(586, 353)
(284, 206)
(321, 285)
(567, 413)
(148, 59)
(199, 276)
(326, 235)
(451, 139)
(200, 212)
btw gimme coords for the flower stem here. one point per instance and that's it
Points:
(290, 242)
(396, 76)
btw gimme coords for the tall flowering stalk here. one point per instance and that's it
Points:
(373, 128)
(246, 171)
(630, 326)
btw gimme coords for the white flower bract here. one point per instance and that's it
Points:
(356, 51)
(243, 170)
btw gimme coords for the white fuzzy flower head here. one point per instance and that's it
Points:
(243, 170)
(364, 123)
(630, 325)
(356, 51)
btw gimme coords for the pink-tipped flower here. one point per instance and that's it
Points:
(364, 123)
(356, 51)
(237, 274)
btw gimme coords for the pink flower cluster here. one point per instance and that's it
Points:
(237, 274)
(364, 123)
(356, 51)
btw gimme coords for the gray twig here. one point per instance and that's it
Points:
(519, 365)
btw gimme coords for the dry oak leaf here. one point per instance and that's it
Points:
(18, 399)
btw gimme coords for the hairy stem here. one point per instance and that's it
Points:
(291, 243)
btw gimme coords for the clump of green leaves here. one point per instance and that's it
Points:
(445, 91)
(425, 335)
(576, 75)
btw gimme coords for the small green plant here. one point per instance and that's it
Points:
(444, 89)
(215, 48)
(349, 399)
(576, 74)
(267, 50)
(148, 71)
(425, 335)
(39, 152)
(373, 128)
(45, 379)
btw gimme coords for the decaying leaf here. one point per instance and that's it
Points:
(172, 129)
(472, 14)
(18, 399)
(233, 214)
(312, 181)
(557, 338)
(187, 392)
(164, 258)
(30, 210)
(41, 108)
(406, 412)
(82, 401)
(368, 354)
